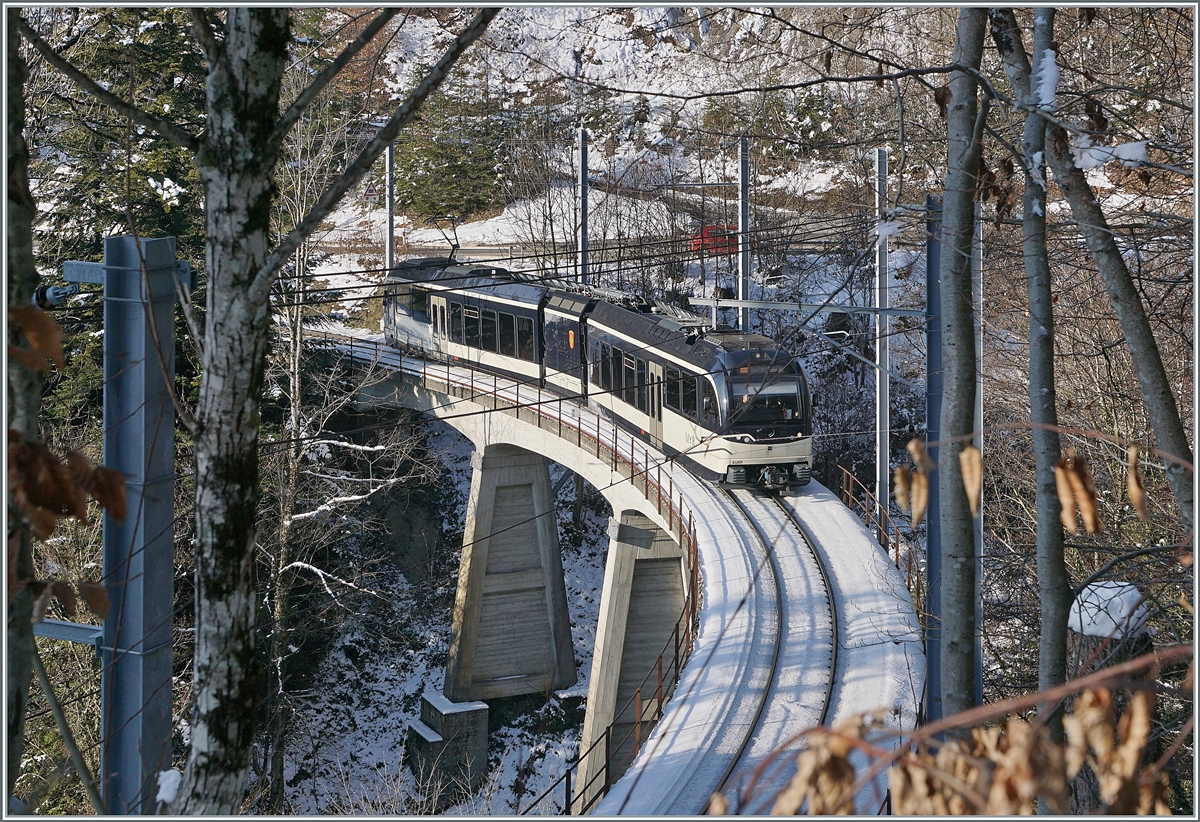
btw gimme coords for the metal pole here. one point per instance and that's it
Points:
(582, 239)
(390, 244)
(883, 428)
(933, 415)
(139, 442)
(743, 229)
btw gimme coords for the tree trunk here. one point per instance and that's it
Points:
(1054, 588)
(1147, 362)
(243, 106)
(24, 396)
(958, 363)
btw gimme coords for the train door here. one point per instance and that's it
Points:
(654, 404)
(437, 321)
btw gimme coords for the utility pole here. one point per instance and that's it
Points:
(390, 244)
(582, 232)
(883, 428)
(743, 230)
(139, 442)
(933, 416)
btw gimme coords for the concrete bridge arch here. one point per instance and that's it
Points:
(511, 632)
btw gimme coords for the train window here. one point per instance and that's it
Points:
(442, 316)
(456, 322)
(420, 304)
(689, 396)
(403, 293)
(488, 337)
(471, 325)
(709, 406)
(508, 335)
(525, 338)
(643, 402)
(630, 379)
(673, 398)
(605, 367)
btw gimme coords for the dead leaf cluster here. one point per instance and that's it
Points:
(44, 487)
(1133, 484)
(44, 335)
(1013, 767)
(1073, 480)
(824, 779)
(1115, 754)
(911, 485)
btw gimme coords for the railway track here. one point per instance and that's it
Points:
(799, 691)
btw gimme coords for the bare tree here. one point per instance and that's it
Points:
(963, 128)
(236, 157)
(1054, 587)
(24, 393)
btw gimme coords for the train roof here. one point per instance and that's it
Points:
(442, 273)
(662, 333)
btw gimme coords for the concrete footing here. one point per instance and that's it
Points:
(446, 749)
(511, 632)
(640, 604)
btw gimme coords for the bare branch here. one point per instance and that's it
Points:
(289, 117)
(204, 35)
(358, 169)
(163, 127)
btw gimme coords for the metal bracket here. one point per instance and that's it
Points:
(70, 632)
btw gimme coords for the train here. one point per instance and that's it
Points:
(734, 406)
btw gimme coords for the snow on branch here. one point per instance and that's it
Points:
(352, 446)
(325, 576)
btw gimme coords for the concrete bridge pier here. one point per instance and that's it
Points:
(511, 632)
(640, 604)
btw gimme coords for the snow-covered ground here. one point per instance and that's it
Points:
(346, 751)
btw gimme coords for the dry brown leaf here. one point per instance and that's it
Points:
(718, 805)
(920, 455)
(44, 480)
(941, 96)
(920, 497)
(95, 597)
(1133, 483)
(30, 359)
(44, 334)
(107, 487)
(971, 462)
(65, 594)
(1066, 500)
(1183, 600)
(900, 487)
(1079, 475)
(42, 522)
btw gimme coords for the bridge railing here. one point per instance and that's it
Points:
(648, 699)
(857, 497)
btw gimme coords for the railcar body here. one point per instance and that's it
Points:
(734, 405)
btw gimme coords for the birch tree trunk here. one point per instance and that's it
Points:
(24, 395)
(1054, 587)
(1127, 304)
(958, 363)
(236, 169)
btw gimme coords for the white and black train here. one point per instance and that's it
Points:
(736, 406)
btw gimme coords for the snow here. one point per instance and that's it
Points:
(1047, 74)
(1089, 156)
(1109, 609)
(168, 785)
(888, 229)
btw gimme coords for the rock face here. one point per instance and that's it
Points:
(446, 748)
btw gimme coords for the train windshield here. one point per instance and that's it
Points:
(767, 412)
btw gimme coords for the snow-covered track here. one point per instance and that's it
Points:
(802, 676)
(737, 699)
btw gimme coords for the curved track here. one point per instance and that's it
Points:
(799, 692)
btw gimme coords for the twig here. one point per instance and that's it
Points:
(68, 738)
